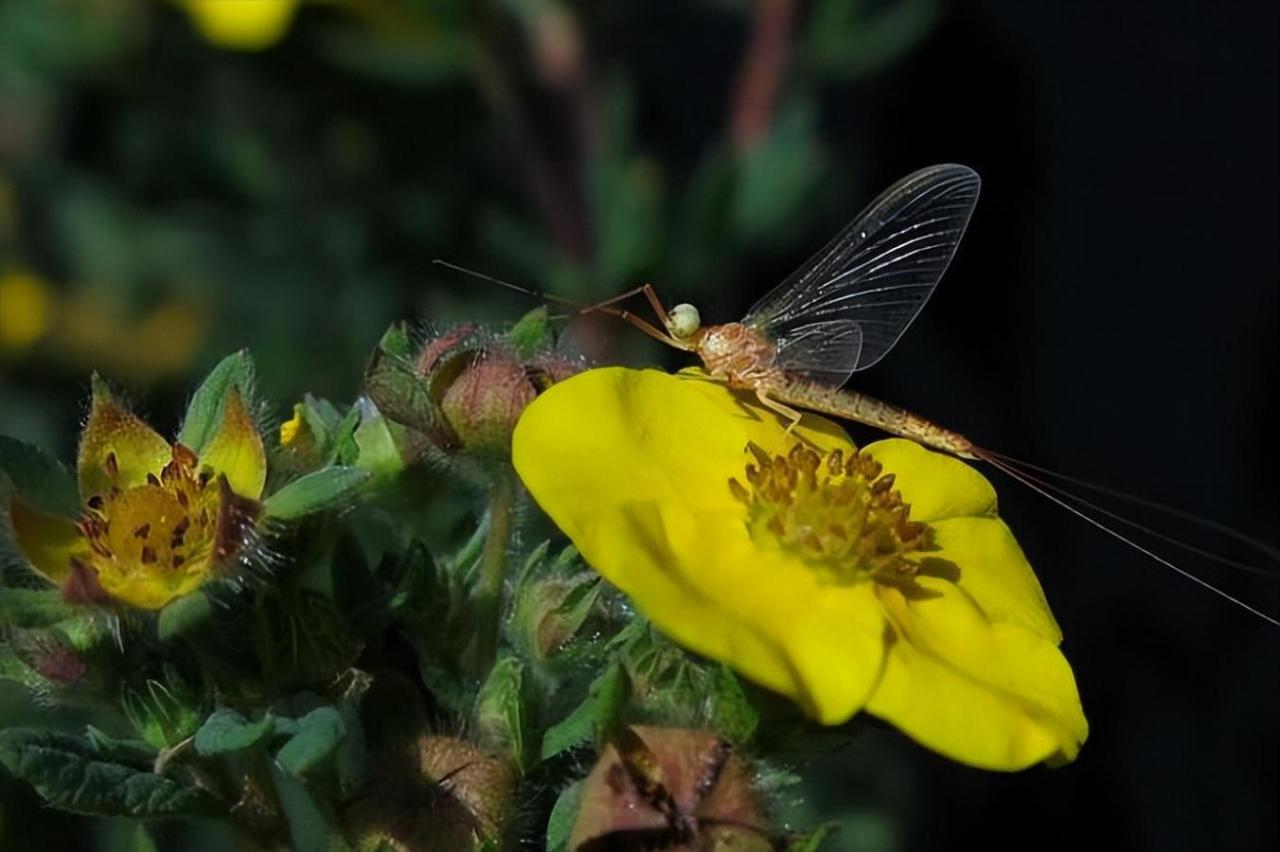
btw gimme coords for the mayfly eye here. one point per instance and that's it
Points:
(684, 320)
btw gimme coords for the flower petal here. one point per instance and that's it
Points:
(236, 449)
(153, 589)
(936, 485)
(47, 541)
(995, 573)
(644, 495)
(996, 696)
(116, 439)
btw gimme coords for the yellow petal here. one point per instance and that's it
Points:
(996, 696)
(995, 573)
(117, 449)
(154, 590)
(642, 490)
(937, 486)
(241, 24)
(236, 449)
(47, 541)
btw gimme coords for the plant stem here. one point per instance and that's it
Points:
(493, 570)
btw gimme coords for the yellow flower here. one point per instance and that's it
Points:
(156, 521)
(792, 559)
(26, 307)
(241, 24)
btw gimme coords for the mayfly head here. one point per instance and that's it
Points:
(683, 321)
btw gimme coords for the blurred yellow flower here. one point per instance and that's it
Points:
(878, 580)
(241, 24)
(156, 521)
(25, 309)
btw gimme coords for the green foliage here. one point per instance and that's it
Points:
(70, 773)
(316, 492)
(40, 481)
(204, 412)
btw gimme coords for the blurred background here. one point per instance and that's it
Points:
(178, 180)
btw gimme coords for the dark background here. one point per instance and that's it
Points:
(1112, 313)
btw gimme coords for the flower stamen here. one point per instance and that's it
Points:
(835, 510)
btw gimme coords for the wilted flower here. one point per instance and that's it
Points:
(670, 789)
(156, 520)
(878, 579)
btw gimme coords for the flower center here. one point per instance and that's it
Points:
(155, 528)
(835, 510)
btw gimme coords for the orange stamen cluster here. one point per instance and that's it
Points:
(834, 509)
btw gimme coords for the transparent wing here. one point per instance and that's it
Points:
(876, 274)
(821, 351)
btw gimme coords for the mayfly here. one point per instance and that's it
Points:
(843, 310)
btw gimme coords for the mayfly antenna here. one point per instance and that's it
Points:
(537, 294)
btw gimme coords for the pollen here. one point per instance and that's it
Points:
(834, 509)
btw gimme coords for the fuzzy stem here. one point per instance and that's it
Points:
(493, 569)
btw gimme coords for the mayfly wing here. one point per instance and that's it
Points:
(871, 281)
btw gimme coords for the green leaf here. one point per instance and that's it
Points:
(41, 480)
(227, 731)
(183, 615)
(69, 775)
(343, 449)
(732, 714)
(116, 750)
(531, 333)
(205, 409)
(604, 702)
(399, 392)
(500, 709)
(33, 607)
(316, 492)
(311, 829)
(319, 733)
(810, 841)
(563, 816)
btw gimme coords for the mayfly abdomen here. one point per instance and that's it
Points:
(865, 409)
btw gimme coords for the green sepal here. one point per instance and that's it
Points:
(376, 447)
(733, 715)
(204, 413)
(316, 492)
(531, 334)
(499, 713)
(594, 717)
(811, 841)
(38, 478)
(70, 775)
(395, 341)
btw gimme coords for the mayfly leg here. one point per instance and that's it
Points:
(649, 293)
(648, 328)
(786, 411)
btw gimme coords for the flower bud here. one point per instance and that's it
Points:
(670, 789)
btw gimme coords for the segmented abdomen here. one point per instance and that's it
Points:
(864, 409)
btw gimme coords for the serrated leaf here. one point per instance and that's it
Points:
(319, 733)
(563, 815)
(205, 410)
(70, 776)
(227, 731)
(41, 480)
(604, 702)
(316, 492)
